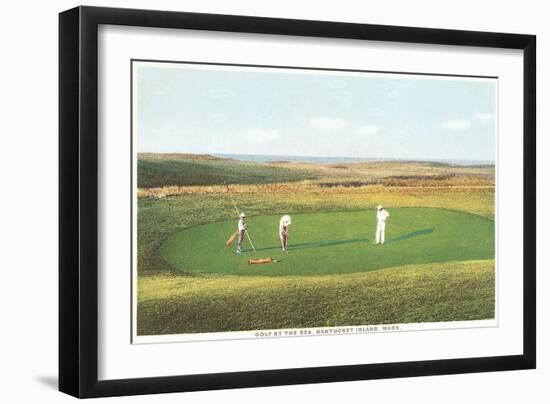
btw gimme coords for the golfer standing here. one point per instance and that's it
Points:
(284, 223)
(241, 228)
(381, 217)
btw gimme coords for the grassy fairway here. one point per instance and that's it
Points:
(157, 170)
(170, 304)
(437, 264)
(335, 242)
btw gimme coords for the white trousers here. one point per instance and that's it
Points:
(380, 230)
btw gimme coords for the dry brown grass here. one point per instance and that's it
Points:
(290, 187)
(381, 169)
(474, 199)
(361, 185)
(310, 187)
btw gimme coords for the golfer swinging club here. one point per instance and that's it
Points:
(241, 228)
(381, 217)
(284, 223)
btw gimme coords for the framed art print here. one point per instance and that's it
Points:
(250, 201)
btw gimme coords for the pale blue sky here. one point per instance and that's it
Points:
(276, 112)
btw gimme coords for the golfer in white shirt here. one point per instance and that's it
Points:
(284, 223)
(381, 217)
(241, 228)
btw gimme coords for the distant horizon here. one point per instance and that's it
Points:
(263, 158)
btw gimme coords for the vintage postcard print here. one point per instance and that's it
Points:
(285, 202)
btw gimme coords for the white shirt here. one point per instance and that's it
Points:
(242, 225)
(284, 222)
(382, 215)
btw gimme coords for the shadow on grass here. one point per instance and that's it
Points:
(406, 236)
(330, 243)
(315, 244)
(326, 243)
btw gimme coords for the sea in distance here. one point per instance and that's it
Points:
(265, 158)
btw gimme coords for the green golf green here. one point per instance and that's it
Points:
(334, 242)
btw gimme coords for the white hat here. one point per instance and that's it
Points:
(242, 215)
(380, 207)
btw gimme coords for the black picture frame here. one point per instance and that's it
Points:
(78, 200)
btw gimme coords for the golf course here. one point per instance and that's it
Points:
(437, 263)
(321, 240)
